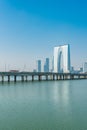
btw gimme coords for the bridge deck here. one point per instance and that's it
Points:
(53, 76)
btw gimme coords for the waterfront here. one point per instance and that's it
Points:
(45, 105)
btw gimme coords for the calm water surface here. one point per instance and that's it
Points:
(45, 105)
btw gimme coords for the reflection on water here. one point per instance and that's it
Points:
(45, 105)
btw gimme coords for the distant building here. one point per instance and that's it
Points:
(14, 71)
(46, 65)
(81, 70)
(72, 69)
(62, 59)
(85, 67)
(34, 70)
(39, 66)
(52, 65)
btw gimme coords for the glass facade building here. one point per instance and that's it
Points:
(85, 67)
(62, 59)
(39, 66)
(46, 65)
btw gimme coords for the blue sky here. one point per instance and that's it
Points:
(29, 30)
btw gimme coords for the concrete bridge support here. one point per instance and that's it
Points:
(22, 78)
(56, 77)
(26, 78)
(32, 77)
(2, 78)
(53, 77)
(39, 77)
(59, 77)
(71, 77)
(63, 77)
(46, 77)
(8, 78)
(15, 78)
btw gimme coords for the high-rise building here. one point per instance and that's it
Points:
(72, 69)
(62, 59)
(46, 65)
(85, 67)
(52, 64)
(39, 66)
(34, 70)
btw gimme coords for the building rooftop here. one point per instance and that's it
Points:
(62, 45)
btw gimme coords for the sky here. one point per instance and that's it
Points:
(30, 29)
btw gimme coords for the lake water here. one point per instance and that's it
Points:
(45, 105)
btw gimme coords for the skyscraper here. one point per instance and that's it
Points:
(85, 67)
(52, 64)
(62, 59)
(46, 65)
(39, 66)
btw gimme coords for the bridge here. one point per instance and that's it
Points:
(24, 76)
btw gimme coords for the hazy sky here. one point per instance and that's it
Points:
(29, 30)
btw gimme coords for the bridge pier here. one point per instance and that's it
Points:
(56, 77)
(39, 77)
(22, 78)
(60, 77)
(46, 77)
(32, 77)
(15, 78)
(71, 77)
(63, 77)
(2, 78)
(85, 77)
(78, 76)
(53, 77)
(26, 78)
(8, 78)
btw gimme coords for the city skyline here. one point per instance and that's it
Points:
(29, 30)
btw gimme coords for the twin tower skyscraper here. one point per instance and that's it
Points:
(62, 62)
